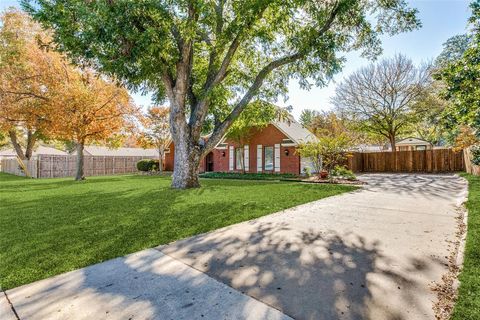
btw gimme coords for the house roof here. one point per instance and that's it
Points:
(370, 147)
(411, 141)
(292, 129)
(295, 131)
(119, 152)
(38, 150)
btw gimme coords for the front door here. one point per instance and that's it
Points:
(209, 162)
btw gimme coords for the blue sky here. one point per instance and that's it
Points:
(441, 19)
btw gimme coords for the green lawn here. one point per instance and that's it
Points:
(468, 303)
(55, 225)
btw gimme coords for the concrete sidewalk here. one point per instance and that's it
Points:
(370, 254)
(144, 285)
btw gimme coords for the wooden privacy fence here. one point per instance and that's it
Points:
(57, 166)
(436, 160)
(12, 166)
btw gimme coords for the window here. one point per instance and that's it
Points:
(421, 148)
(269, 158)
(238, 158)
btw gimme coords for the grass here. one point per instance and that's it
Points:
(467, 306)
(52, 226)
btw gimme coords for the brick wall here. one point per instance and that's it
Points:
(267, 137)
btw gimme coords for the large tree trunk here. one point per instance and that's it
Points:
(392, 143)
(18, 148)
(186, 164)
(80, 164)
(31, 140)
(394, 150)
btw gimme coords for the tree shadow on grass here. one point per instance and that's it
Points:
(63, 231)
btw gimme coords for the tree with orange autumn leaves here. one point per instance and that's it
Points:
(93, 109)
(43, 96)
(156, 133)
(30, 75)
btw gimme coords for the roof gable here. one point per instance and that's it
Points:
(295, 131)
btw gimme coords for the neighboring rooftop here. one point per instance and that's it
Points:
(38, 150)
(411, 141)
(371, 147)
(119, 152)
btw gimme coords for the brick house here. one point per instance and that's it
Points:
(270, 150)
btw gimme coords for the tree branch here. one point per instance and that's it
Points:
(221, 129)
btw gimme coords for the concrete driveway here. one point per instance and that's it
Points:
(370, 254)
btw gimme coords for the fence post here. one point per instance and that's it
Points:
(39, 157)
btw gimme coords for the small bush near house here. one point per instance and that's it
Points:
(307, 172)
(327, 152)
(341, 171)
(147, 165)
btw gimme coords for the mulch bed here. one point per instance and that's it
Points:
(316, 179)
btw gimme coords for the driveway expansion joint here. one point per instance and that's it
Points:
(11, 305)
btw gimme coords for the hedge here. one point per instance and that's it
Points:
(148, 165)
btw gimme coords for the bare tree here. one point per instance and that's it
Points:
(381, 96)
(157, 131)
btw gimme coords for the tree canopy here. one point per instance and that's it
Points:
(381, 96)
(93, 109)
(453, 49)
(461, 77)
(30, 76)
(307, 116)
(211, 58)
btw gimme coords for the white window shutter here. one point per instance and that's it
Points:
(277, 157)
(246, 157)
(259, 157)
(230, 158)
